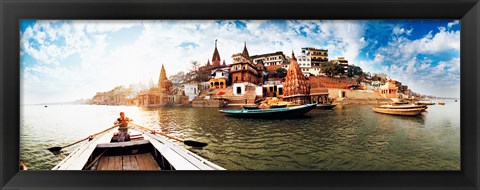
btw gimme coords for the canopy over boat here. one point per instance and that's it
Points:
(145, 151)
(272, 112)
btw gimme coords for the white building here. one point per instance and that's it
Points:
(315, 71)
(191, 90)
(304, 61)
(239, 89)
(221, 72)
(270, 59)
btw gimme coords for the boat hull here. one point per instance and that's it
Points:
(403, 106)
(279, 113)
(326, 106)
(405, 112)
(147, 152)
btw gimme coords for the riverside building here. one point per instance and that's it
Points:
(295, 87)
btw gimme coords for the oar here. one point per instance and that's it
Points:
(186, 142)
(57, 148)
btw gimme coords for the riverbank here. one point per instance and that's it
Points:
(348, 97)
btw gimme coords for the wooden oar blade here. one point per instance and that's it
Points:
(55, 149)
(194, 143)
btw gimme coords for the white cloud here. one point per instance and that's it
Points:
(80, 59)
(455, 22)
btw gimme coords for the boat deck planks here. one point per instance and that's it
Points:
(128, 162)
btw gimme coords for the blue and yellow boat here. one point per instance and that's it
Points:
(293, 111)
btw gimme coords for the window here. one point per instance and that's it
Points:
(239, 90)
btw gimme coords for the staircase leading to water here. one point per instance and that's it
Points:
(214, 101)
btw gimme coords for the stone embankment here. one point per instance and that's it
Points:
(346, 96)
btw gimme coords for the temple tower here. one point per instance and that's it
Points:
(216, 56)
(163, 83)
(245, 51)
(295, 87)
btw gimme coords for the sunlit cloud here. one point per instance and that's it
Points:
(69, 60)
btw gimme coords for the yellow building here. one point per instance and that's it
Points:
(389, 89)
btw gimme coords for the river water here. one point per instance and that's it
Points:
(349, 137)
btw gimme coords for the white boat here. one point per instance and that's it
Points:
(411, 106)
(425, 102)
(409, 112)
(145, 151)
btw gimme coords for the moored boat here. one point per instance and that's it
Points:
(441, 103)
(145, 151)
(425, 103)
(278, 106)
(407, 112)
(251, 107)
(326, 106)
(293, 111)
(403, 106)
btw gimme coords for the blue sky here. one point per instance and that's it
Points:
(69, 60)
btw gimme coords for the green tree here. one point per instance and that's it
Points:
(331, 69)
(281, 72)
(354, 71)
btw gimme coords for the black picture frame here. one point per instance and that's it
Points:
(468, 11)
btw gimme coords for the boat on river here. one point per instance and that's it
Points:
(145, 151)
(411, 106)
(326, 106)
(293, 111)
(393, 111)
(427, 102)
(251, 107)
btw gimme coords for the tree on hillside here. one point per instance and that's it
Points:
(354, 71)
(281, 72)
(331, 69)
(196, 73)
(178, 78)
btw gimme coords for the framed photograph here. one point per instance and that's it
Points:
(296, 95)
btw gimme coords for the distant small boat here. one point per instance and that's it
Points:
(325, 106)
(409, 112)
(456, 100)
(46, 106)
(271, 113)
(425, 103)
(441, 103)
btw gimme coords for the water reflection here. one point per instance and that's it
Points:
(345, 138)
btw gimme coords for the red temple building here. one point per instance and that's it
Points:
(295, 87)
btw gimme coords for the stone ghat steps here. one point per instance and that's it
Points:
(200, 101)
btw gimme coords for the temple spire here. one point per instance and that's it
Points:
(245, 51)
(216, 56)
(163, 76)
(293, 55)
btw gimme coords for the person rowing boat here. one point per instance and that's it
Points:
(122, 135)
